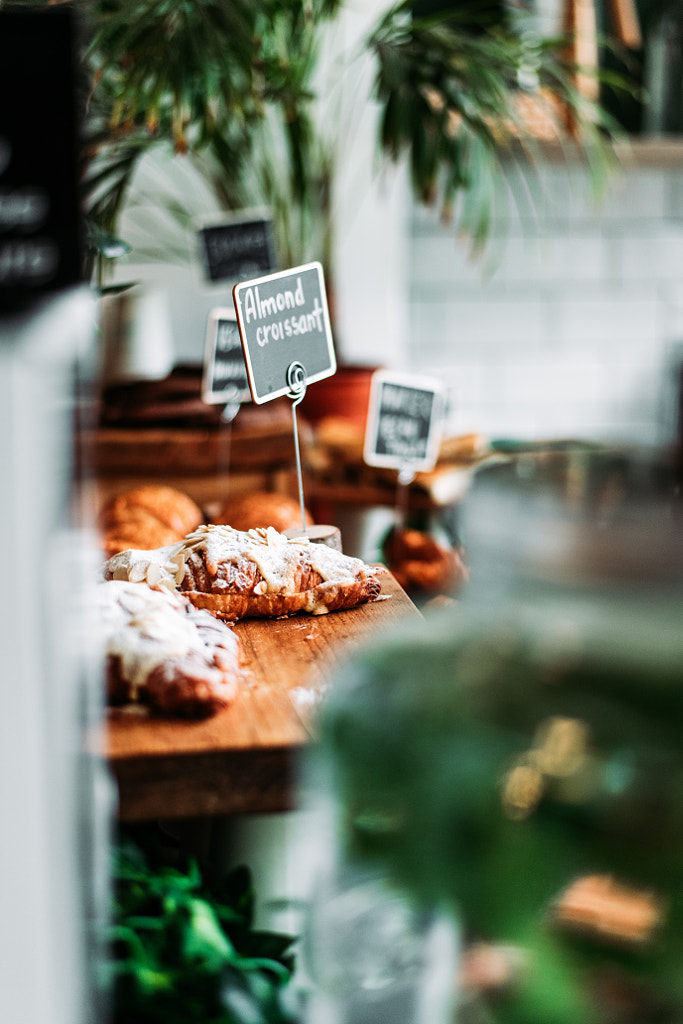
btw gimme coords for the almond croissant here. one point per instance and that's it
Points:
(254, 574)
(162, 652)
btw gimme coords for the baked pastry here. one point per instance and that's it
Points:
(164, 653)
(147, 517)
(420, 563)
(262, 509)
(236, 574)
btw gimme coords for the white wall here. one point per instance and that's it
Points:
(371, 207)
(573, 330)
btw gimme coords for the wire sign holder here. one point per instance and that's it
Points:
(224, 379)
(284, 326)
(296, 378)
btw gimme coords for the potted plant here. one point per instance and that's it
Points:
(234, 87)
(225, 85)
(183, 949)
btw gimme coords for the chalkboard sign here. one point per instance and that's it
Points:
(405, 417)
(238, 247)
(225, 375)
(41, 227)
(283, 321)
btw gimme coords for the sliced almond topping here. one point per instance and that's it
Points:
(137, 572)
(154, 573)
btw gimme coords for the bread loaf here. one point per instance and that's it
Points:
(261, 509)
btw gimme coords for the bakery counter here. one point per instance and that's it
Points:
(203, 457)
(337, 474)
(243, 760)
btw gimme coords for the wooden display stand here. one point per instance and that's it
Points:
(253, 453)
(337, 474)
(244, 759)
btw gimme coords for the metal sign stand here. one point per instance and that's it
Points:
(406, 475)
(230, 410)
(296, 382)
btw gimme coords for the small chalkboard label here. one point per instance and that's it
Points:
(405, 418)
(237, 247)
(283, 321)
(225, 375)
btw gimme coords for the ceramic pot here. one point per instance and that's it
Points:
(346, 394)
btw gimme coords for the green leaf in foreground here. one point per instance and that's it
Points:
(181, 951)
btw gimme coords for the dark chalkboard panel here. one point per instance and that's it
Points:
(237, 247)
(41, 230)
(284, 320)
(405, 419)
(225, 373)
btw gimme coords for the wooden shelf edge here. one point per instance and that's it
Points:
(217, 783)
(636, 151)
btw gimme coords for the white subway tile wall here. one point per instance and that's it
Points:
(571, 325)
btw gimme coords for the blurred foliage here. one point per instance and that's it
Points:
(494, 753)
(183, 951)
(465, 91)
(206, 78)
(235, 87)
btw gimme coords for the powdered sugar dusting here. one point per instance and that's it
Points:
(277, 557)
(145, 628)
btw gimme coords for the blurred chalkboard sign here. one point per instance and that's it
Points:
(225, 374)
(238, 247)
(284, 320)
(405, 420)
(40, 222)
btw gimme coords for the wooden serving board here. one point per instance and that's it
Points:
(243, 760)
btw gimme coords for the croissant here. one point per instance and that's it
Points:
(255, 574)
(162, 652)
(149, 516)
